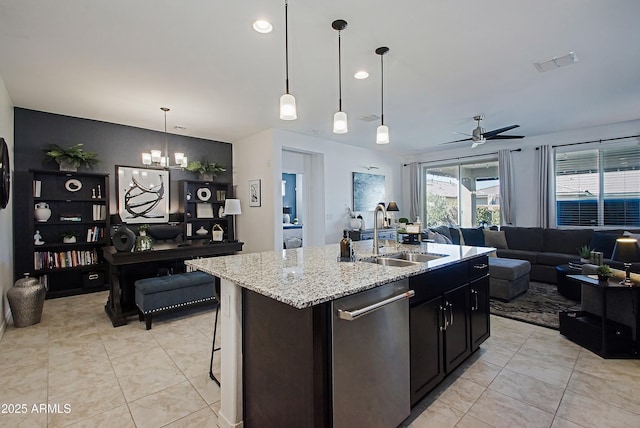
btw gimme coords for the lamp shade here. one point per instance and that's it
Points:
(232, 207)
(382, 134)
(340, 122)
(626, 250)
(288, 107)
(392, 206)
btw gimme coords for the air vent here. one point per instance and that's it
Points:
(556, 62)
(369, 118)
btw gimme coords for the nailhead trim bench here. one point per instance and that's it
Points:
(172, 292)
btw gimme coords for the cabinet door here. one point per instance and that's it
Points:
(427, 365)
(457, 344)
(479, 306)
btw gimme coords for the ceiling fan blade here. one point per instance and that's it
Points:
(490, 134)
(457, 141)
(505, 137)
(462, 133)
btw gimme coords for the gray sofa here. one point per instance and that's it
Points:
(543, 248)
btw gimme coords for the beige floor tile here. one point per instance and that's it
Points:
(471, 422)
(12, 354)
(83, 405)
(437, 415)
(541, 368)
(478, 371)
(88, 353)
(146, 372)
(207, 388)
(535, 392)
(620, 392)
(23, 420)
(166, 406)
(191, 360)
(115, 418)
(65, 379)
(622, 370)
(126, 340)
(72, 343)
(461, 394)
(501, 411)
(496, 354)
(558, 422)
(588, 412)
(551, 347)
(203, 418)
(25, 383)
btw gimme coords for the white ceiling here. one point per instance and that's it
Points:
(120, 61)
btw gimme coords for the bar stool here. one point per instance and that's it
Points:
(216, 289)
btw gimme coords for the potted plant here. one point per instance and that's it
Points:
(207, 170)
(70, 237)
(72, 158)
(604, 272)
(142, 229)
(585, 253)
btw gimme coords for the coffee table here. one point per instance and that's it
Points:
(566, 287)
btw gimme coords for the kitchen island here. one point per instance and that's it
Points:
(277, 324)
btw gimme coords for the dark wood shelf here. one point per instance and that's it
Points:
(72, 268)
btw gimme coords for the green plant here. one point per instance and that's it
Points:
(403, 220)
(604, 271)
(143, 227)
(70, 234)
(205, 167)
(584, 252)
(74, 155)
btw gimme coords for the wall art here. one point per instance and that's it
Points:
(368, 191)
(143, 194)
(255, 197)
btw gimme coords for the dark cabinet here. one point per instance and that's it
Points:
(201, 206)
(60, 238)
(449, 319)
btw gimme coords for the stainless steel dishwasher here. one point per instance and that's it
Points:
(370, 357)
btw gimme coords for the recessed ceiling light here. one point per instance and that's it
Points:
(361, 74)
(262, 26)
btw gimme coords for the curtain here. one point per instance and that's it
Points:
(506, 186)
(543, 165)
(414, 191)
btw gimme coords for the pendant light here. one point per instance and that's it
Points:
(287, 101)
(340, 118)
(382, 133)
(157, 158)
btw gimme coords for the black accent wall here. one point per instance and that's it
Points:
(115, 145)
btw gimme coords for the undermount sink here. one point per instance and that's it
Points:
(417, 257)
(388, 261)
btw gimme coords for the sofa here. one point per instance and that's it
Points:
(544, 248)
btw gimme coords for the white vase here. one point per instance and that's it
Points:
(69, 239)
(42, 212)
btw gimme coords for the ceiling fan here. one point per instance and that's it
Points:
(480, 136)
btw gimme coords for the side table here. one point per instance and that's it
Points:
(566, 287)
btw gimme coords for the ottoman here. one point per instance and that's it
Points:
(508, 277)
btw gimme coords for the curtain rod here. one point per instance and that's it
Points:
(462, 157)
(594, 141)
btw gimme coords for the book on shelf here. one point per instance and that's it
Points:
(64, 259)
(99, 212)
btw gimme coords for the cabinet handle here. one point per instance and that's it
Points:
(357, 313)
(450, 312)
(482, 266)
(475, 293)
(443, 327)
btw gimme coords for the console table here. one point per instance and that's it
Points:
(600, 335)
(127, 267)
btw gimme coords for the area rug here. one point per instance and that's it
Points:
(539, 305)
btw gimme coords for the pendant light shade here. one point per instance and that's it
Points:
(382, 133)
(340, 124)
(287, 101)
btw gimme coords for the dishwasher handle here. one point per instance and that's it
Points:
(357, 313)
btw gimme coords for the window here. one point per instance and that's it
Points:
(466, 195)
(598, 187)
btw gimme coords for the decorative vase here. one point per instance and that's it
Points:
(42, 212)
(123, 239)
(69, 239)
(354, 223)
(144, 242)
(26, 299)
(603, 277)
(206, 176)
(66, 165)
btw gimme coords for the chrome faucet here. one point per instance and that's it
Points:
(376, 244)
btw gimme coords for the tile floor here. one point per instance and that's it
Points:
(92, 375)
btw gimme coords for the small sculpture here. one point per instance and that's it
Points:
(37, 238)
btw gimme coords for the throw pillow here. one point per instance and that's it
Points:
(442, 230)
(495, 238)
(603, 242)
(438, 238)
(473, 237)
(456, 236)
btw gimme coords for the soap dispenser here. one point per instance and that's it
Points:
(346, 247)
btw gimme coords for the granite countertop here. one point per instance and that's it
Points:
(307, 276)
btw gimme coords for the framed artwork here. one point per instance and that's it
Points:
(143, 195)
(368, 191)
(255, 198)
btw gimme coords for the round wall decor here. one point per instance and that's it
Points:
(5, 174)
(203, 193)
(73, 185)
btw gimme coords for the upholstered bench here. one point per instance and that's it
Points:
(508, 278)
(165, 293)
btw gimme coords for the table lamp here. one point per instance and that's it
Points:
(391, 207)
(232, 208)
(627, 252)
